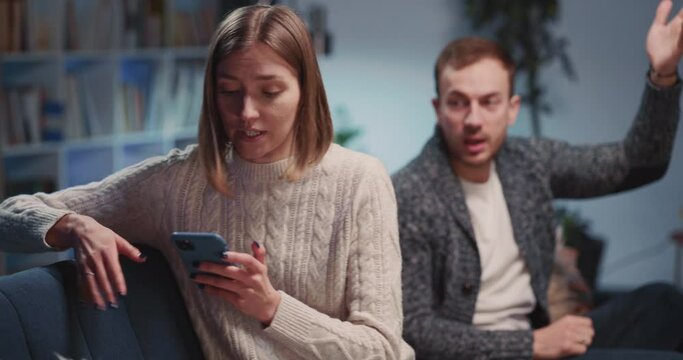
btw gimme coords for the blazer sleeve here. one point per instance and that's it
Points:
(642, 157)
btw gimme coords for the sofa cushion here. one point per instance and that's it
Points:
(41, 316)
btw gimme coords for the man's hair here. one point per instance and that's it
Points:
(466, 51)
(279, 28)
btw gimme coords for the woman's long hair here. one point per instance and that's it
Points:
(283, 31)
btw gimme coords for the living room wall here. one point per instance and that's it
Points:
(379, 77)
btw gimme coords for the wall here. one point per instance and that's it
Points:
(381, 73)
(611, 63)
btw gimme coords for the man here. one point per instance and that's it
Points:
(476, 215)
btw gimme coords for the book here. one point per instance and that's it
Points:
(131, 24)
(16, 118)
(182, 96)
(4, 123)
(2, 179)
(17, 25)
(138, 82)
(193, 22)
(87, 94)
(3, 266)
(5, 25)
(196, 95)
(43, 24)
(154, 25)
(31, 106)
(74, 126)
(155, 106)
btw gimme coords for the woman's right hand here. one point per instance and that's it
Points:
(97, 254)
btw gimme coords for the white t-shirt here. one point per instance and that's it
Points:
(505, 297)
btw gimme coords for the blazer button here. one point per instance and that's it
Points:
(467, 288)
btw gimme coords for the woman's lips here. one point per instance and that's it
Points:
(251, 135)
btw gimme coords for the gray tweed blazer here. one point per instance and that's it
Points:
(441, 269)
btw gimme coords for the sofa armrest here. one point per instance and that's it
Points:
(41, 316)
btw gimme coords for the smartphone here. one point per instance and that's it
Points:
(196, 247)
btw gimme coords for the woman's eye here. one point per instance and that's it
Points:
(271, 93)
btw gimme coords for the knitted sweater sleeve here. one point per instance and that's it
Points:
(130, 202)
(372, 329)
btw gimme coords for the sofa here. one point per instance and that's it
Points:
(41, 316)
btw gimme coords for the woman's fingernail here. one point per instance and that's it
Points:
(258, 246)
(114, 305)
(224, 255)
(142, 256)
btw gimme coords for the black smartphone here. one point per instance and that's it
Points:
(196, 247)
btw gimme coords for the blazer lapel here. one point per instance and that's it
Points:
(437, 171)
(517, 194)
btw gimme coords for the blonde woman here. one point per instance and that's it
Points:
(264, 176)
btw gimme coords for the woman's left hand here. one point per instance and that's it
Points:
(247, 287)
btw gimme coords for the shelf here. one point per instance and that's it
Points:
(191, 53)
(79, 102)
(24, 57)
(88, 87)
(31, 149)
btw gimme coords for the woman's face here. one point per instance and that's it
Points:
(258, 94)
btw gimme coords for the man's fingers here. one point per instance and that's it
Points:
(581, 321)
(584, 321)
(580, 349)
(663, 10)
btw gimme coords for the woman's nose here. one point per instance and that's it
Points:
(249, 110)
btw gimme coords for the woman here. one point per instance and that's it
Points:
(265, 176)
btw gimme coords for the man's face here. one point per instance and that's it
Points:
(474, 110)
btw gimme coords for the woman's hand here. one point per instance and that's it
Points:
(97, 254)
(247, 287)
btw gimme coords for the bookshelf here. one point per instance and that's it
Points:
(88, 87)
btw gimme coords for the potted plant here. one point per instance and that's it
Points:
(523, 28)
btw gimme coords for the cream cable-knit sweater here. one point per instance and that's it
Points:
(331, 241)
